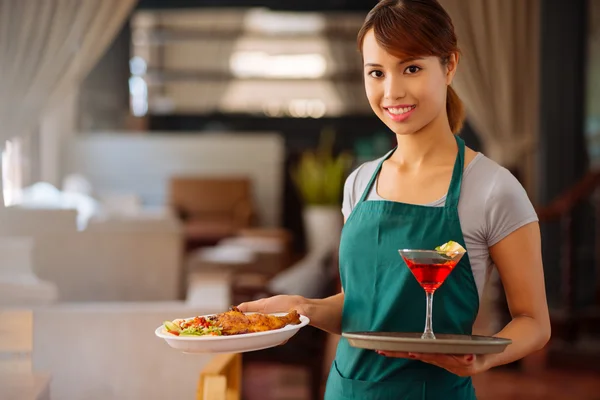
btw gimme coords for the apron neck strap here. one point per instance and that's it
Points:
(455, 183)
(375, 175)
(457, 174)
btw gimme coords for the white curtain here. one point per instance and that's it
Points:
(498, 77)
(47, 47)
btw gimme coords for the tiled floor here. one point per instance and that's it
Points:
(272, 382)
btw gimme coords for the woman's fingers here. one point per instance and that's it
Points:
(253, 306)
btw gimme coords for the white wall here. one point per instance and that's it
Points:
(127, 162)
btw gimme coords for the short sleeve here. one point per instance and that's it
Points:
(349, 197)
(508, 207)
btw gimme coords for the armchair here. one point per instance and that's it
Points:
(211, 208)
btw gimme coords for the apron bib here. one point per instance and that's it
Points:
(381, 294)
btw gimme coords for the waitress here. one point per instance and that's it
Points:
(430, 189)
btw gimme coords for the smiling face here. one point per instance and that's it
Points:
(407, 94)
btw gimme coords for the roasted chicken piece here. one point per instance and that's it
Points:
(235, 322)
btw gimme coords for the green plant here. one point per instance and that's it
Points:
(320, 175)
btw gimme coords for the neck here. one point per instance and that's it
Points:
(435, 142)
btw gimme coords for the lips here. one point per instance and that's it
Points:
(400, 113)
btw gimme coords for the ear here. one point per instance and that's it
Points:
(451, 67)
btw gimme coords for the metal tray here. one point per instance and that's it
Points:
(412, 342)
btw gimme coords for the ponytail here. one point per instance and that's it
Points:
(455, 111)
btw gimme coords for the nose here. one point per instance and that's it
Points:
(393, 88)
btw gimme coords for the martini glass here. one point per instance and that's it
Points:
(430, 268)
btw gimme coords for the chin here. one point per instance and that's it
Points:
(405, 129)
(404, 132)
(402, 129)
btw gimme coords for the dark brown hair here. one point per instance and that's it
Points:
(416, 28)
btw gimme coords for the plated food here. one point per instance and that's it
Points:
(231, 332)
(232, 322)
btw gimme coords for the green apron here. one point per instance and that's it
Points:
(381, 294)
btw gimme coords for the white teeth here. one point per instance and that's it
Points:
(399, 111)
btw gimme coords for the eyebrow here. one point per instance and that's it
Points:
(399, 62)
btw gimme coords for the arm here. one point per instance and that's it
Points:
(325, 314)
(519, 262)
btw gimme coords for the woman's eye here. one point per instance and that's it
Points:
(376, 74)
(413, 69)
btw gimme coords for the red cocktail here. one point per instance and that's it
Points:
(430, 268)
(430, 276)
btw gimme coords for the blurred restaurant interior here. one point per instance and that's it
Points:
(170, 158)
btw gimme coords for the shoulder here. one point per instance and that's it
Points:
(492, 183)
(360, 177)
(499, 197)
(485, 173)
(356, 183)
(495, 179)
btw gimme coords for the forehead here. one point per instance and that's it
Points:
(371, 47)
(373, 51)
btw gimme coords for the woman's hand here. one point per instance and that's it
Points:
(325, 314)
(461, 365)
(280, 303)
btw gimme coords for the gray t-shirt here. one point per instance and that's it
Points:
(492, 205)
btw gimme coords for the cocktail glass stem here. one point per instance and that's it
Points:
(428, 333)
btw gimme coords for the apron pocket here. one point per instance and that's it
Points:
(340, 388)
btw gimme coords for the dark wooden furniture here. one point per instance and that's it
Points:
(211, 208)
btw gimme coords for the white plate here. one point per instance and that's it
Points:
(233, 343)
(412, 342)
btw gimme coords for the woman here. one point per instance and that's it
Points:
(427, 191)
